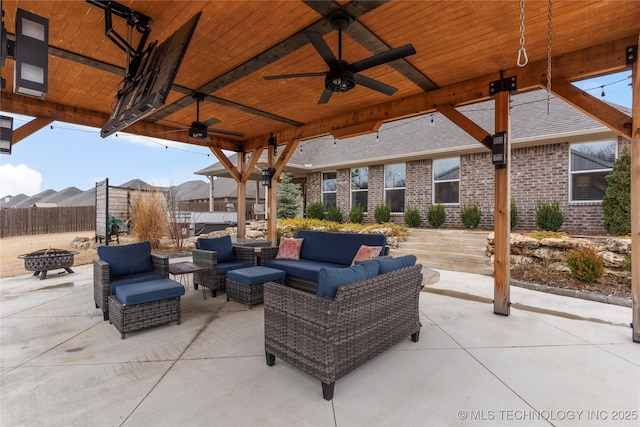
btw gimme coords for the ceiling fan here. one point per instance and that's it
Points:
(200, 130)
(343, 76)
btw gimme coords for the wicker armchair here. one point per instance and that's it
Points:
(214, 277)
(329, 338)
(103, 277)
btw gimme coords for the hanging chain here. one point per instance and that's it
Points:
(523, 59)
(549, 59)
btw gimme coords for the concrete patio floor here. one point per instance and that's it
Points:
(554, 361)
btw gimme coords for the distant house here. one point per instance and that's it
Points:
(416, 162)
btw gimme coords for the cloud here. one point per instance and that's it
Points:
(19, 179)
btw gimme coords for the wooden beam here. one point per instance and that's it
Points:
(635, 200)
(29, 106)
(466, 124)
(224, 160)
(355, 130)
(30, 128)
(251, 164)
(501, 214)
(600, 59)
(614, 119)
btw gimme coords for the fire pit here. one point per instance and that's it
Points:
(48, 259)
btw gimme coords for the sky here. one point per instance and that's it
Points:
(64, 155)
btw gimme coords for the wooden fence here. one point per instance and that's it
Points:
(26, 221)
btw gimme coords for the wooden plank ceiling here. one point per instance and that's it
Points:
(461, 46)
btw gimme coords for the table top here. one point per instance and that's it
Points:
(185, 268)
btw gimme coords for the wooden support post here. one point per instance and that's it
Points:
(242, 207)
(501, 215)
(272, 197)
(635, 196)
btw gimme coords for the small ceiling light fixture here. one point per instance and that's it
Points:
(602, 94)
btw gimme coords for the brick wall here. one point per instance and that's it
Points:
(538, 173)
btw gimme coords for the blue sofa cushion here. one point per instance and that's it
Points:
(134, 278)
(336, 248)
(390, 264)
(139, 293)
(126, 260)
(255, 275)
(221, 245)
(304, 269)
(330, 279)
(224, 267)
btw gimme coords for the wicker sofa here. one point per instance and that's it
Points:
(124, 265)
(328, 338)
(320, 249)
(219, 255)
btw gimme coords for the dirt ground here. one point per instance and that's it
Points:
(11, 247)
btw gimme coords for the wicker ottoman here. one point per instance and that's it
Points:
(245, 284)
(146, 304)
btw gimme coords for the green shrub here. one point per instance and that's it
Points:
(382, 213)
(514, 214)
(436, 216)
(616, 203)
(315, 211)
(334, 214)
(627, 262)
(356, 215)
(412, 217)
(585, 265)
(470, 216)
(549, 217)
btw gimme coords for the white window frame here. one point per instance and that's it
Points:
(323, 192)
(434, 182)
(573, 173)
(404, 189)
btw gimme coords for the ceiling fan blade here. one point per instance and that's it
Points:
(323, 48)
(225, 132)
(212, 121)
(374, 84)
(382, 58)
(326, 95)
(172, 131)
(291, 76)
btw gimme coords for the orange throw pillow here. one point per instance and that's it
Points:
(289, 248)
(366, 252)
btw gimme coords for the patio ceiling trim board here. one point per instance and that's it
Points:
(29, 106)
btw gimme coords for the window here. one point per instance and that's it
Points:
(329, 185)
(446, 180)
(360, 187)
(395, 177)
(590, 162)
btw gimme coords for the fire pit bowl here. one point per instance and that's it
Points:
(48, 259)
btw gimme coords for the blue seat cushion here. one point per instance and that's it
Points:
(255, 275)
(304, 269)
(126, 260)
(336, 248)
(225, 267)
(134, 278)
(139, 293)
(330, 279)
(390, 264)
(221, 245)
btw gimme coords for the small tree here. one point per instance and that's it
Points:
(288, 202)
(334, 214)
(470, 216)
(549, 217)
(382, 213)
(412, 217)
(315, 211)
(356, 215)
(436, 215)
(616, 204)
